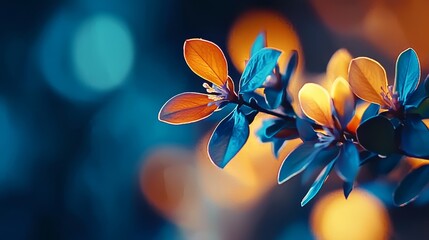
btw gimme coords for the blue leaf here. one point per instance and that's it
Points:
(385, 165)
(411, 186)
(323, 157)
(261, 132)
(415, 138)
(347, 188)
(407, 74)
(249, 112)
(423, 198)
(228, 138)
(417, 97)
(348, 162)
(290, 68)
(383, 190)
(277, 146)
(258, 68)
(305, 130)
(253, 96)
(366, 156)
(317, 185)
(276, 125)
(273, 97)
(422, 110)
(377, 135)
(259, 43)
(371, 111)
(297, 161)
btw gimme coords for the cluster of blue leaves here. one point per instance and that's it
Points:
(402, 132)
(232, 132)
(383, 137)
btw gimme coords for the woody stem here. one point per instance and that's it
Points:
(258, 108)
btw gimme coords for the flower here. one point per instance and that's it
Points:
(207, 60)
(399, 126)
(334, 146)
(398, 129)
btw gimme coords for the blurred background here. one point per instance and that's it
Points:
(83, 155)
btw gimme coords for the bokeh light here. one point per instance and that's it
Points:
(82, 57)
(10, 145)
(390, 27)
(361, 216)
(103, 52)
(167, 180)
(279, 31)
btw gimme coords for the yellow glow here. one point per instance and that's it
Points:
(247, 177)
(280, 35)
(360, 217)
(338, 66)
(416, 162)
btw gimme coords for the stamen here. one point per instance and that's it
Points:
(325, 139)
(390, 98)
(273, 80)
(208, 88)
(217, 94)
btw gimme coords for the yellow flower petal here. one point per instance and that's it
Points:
(316, 104)
(367, 79)
(206, 60)
(344, 100)
(338, 65)
(186, 108)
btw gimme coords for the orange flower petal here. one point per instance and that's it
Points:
(316, 104)
(230, 85)
(367, 79)
(186, 108)
(338, 65)
(344, 100)
(206, 60)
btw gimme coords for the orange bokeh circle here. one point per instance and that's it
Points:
(280, 35)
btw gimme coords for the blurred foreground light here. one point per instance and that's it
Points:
(10, 167)
(390, 26)
(342, 16)
(249, 175)
(103, 52)
(280, 35)
(82, 59)
(167, 180)
(361, 216)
